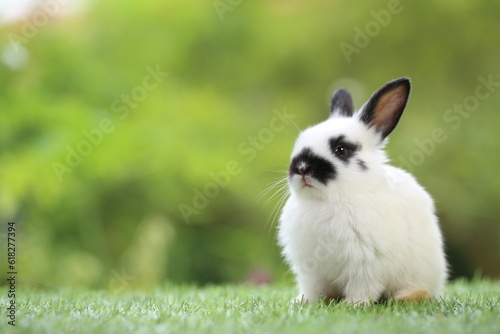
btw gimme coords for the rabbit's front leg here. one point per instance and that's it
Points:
(313, 289)
(363, 292)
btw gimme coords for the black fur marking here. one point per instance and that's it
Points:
(342, 103)
(314, 165)
(362, 165)
(343, 149)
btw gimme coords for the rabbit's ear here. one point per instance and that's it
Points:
(341, 103)
(385, 107)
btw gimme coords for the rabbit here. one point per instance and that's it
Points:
(355, 228)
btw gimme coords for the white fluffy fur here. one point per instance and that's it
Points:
(366, 235)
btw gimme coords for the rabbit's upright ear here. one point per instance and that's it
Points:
(341, 104)
(385, 107)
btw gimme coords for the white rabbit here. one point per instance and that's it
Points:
(354, 227)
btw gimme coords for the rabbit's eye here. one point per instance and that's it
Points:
(341, 151)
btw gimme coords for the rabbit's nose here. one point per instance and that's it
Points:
(303, 168)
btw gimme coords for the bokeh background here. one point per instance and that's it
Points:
(137, 138)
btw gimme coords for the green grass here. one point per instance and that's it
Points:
(466, 307)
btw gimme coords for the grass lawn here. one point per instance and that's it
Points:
(466, 307)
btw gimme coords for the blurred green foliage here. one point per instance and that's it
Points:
(117, 214)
